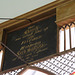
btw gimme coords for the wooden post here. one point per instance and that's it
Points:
(1, 48)
(58, 39)
(1, 34)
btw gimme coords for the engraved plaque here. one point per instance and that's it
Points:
(31, 43)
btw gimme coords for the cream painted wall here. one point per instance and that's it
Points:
(13, 8)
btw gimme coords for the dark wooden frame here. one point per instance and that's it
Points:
(8, 31)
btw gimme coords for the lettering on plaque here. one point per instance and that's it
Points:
(31, 43)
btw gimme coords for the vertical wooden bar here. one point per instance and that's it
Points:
(1, 50)
(74, 33)
(58, 39)
(64, 39)
(70, 36)
(1, 47)
(1, 34)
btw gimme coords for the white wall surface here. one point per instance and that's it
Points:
(13, 8)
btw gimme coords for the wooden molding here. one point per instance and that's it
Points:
(65, 20)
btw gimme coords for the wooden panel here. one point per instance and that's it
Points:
(65, 13)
